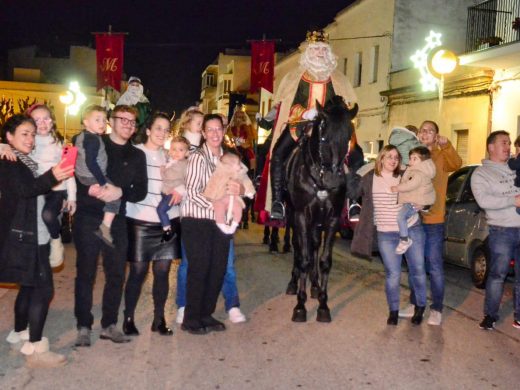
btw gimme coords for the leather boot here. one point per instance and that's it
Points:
(393, 317)
(281, 151)
(159, 325)
(129, 327)
(418, 315)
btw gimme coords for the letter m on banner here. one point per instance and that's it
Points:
(109, 58)
(262, 65)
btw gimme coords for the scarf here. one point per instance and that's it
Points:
(28, 162)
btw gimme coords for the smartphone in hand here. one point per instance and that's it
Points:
(69, 155)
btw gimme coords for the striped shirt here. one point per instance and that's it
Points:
(201, 165)
(386, 207)
(146, 210)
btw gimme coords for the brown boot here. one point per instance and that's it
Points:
(37, 355)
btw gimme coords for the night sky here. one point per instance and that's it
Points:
(169, 42)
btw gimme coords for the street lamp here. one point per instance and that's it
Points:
(433, 62)
(441, 62)
(73, 99)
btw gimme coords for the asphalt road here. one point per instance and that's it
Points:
(357, 350)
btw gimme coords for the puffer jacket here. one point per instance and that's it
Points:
(416, 185)
(404, 140)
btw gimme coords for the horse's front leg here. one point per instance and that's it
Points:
(314, 272)
(301, 258)
(323, 314)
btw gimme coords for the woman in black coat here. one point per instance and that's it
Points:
(24, 241)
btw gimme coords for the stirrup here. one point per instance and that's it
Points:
(278, 214)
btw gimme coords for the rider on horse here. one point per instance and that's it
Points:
(315, 80)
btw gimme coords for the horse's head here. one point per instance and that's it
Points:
(332, 132)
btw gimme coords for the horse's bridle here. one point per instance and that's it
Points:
(321, 189)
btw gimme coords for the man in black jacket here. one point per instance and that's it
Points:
(127, 171)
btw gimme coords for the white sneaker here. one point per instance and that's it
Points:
(236, 316)
(403, 246)
(435, 318)
(56, 254)
(180, 315)
(407, 312)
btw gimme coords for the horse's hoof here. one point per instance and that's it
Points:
(245, 225)
(286, 248)
(292, 288)
(265, 241)
(299, 315)
(273, 248)
(315, 291)
(323, 315)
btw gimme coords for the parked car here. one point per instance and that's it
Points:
(349, 219)
(466, 229)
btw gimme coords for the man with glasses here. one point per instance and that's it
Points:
(126, 168)
(446, 160)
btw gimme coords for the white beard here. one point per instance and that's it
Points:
(320, 69)
(132, 96)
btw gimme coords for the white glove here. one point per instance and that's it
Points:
(258, 116)
(310, 114)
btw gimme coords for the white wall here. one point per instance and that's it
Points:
(415, 18)
(506, 98)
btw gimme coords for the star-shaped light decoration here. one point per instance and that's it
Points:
(420, 61)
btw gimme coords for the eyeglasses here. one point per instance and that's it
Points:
(126, 121)
(213, 129)
(427, 131)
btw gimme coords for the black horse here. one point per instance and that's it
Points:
(316, 187)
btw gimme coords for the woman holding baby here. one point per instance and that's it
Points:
(207, 262)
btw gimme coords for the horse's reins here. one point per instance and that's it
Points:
(322, 191)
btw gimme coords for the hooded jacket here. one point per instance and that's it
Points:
(404, 140)
(416, 185)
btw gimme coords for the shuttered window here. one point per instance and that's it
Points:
(462, 145)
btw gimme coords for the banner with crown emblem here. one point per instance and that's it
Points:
(262, 65)
(109, 60)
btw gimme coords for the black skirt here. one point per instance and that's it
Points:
(144, 241)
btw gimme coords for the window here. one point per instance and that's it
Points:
(455, 183)
(374, 63)
(462, 144)
(345, 66)
(227, 86)
(358, 59)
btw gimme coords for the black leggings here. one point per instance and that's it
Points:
(134, 284)
(51, 212)
(32, 303)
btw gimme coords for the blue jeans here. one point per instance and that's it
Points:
(504, 245)
(387, 241)
(229, 287)
(402, 218)
(162, 210)
(434, 264)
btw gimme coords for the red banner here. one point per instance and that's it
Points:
(262, 65)
(109, 56)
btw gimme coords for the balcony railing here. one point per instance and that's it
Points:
(490, 23)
